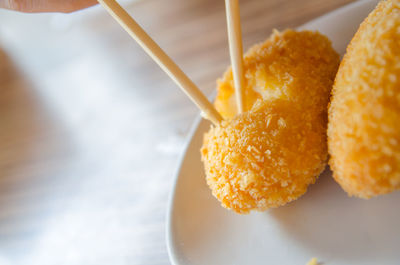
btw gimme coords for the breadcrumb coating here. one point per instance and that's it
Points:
(266, 157)
(291, 65)
(364, 115)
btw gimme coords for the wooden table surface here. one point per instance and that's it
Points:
(91, 129)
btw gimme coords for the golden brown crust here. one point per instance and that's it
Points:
(268, 156)
(364, 115)
(264, 158)
(297, 66)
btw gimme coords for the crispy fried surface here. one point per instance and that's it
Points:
(264, 158)
(268, 156)
(364, 115)
(297, 66)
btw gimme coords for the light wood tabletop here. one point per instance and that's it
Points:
(91, 129)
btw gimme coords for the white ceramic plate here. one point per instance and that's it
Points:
(324, 223)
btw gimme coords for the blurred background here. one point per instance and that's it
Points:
(91, 130)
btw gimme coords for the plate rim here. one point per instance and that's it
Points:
(169, 237)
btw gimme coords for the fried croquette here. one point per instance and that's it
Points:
(291, 65)
(364, 114)
(266, 157)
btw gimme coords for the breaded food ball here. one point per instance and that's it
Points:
(291, 65)
(266, 157)
(364, 115)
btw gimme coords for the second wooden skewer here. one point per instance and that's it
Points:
(236, 50)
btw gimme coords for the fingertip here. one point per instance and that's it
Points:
(25, 6)
(76, 5)
(76, 8)
(35, 6)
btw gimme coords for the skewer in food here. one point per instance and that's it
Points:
(269, 155)
(364, 115)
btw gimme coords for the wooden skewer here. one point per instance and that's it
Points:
(162, 59)
(235, 49)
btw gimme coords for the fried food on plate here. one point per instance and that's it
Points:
(364, 114)
(296, 66)
(267, 156)
(264, 158)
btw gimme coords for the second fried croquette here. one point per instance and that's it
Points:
(296, 66)
(364, 115)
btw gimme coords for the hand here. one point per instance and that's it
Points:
(33, 6)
